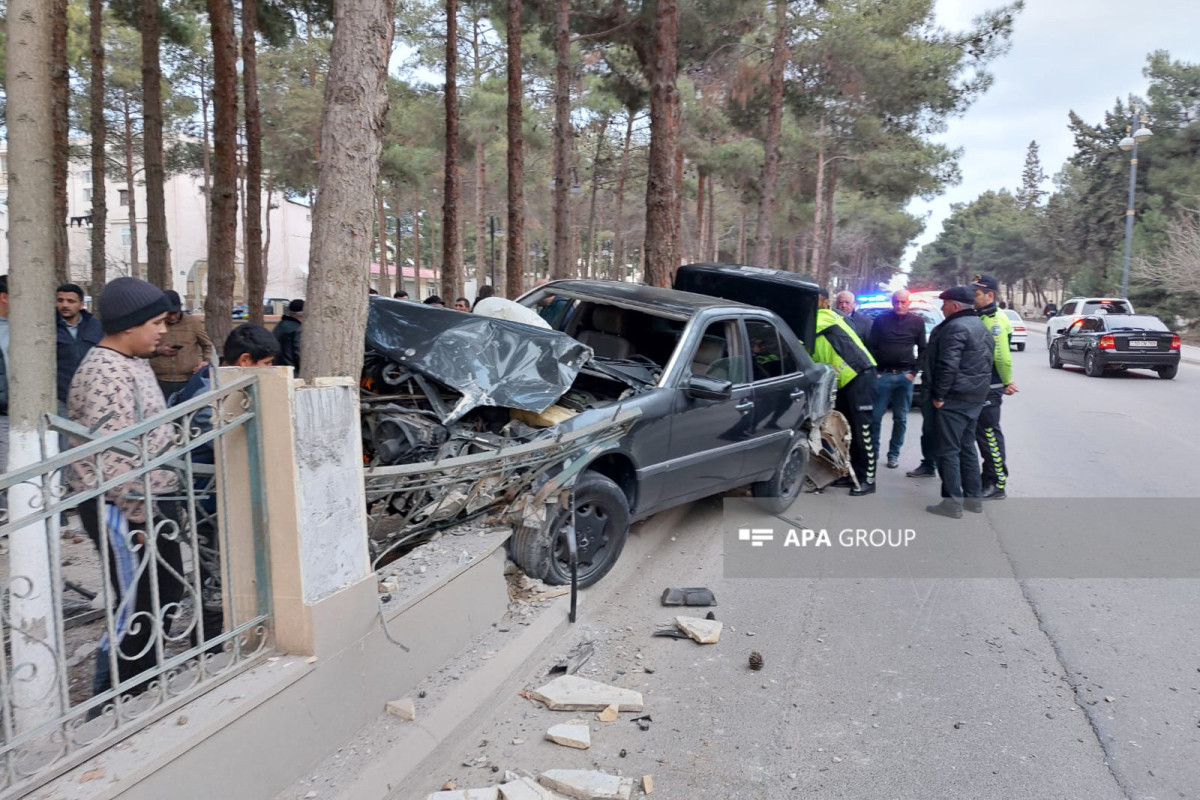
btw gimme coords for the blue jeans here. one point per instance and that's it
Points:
(894, 390)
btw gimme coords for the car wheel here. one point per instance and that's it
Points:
(1055, 359)
(1168, 372)
(601, 528)
(777, 493)
(1091, 365)
(1020, 347)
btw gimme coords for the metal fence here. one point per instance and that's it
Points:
(115, 557)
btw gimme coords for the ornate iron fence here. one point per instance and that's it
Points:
(148, 619)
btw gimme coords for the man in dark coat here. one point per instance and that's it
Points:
(287, 333)
(78, 332)
(960, 370)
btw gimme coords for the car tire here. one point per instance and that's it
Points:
(1055, 359)
(777, 493)
(1091, 365)
(1020, 347)
(602, 519)
(1168, 372)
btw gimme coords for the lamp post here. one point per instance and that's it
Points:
(1130, 142)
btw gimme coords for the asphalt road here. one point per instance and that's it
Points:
(903, 688)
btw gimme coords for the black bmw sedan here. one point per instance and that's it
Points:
(1100, 342)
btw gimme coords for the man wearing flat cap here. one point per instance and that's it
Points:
(183, 349)
(959, 370)
(988, 436)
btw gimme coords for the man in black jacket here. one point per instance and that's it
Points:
(287, 333)
(897, 340)
(960, 370)
(78, 332)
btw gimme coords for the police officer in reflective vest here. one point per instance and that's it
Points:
(988, 435)
(839, 346)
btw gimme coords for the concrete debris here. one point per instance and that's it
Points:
(573, 693)
(449, 786)
(490, 793)
(404, 709)
(388, 586)
(577, 736)
(524, 789)
(703, 631)
(585, 784)
(609, 714)
(647, 784)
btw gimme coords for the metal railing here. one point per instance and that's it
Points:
(148, 617)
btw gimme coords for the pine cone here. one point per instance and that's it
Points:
(756, 660)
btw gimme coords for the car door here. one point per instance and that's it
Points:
(1078, 336)
(780, 388)
(709, 437)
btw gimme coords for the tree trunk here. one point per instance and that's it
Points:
(385, 282)
(701, 232)
(618, 267)
(514, 283)
(591, 229)
(662, 199)
(222, 240)
(60, 74)
(819, 208)
(204, 103)
(482, 259)
(352, 122)
(714, 238)
(266, 250)
(99, 135)
(770, 170)
(399, 259)
(741, 247)
(135, 267)
(416, 225)
(35, 698)
(157, 248)
(830, 220)
(256, 269)
(451, 266)
(561, 265)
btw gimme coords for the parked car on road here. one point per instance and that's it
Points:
(1100, 342)
(1019, 333)
(1078, 307)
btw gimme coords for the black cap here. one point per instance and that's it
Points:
(985, 282)
(176, 304)
(959, 294)
(296, 306)
(129, 302)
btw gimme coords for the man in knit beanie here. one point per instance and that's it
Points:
(114, 389)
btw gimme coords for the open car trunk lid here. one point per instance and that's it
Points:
(790, 295)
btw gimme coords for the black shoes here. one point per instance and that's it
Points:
(922, 472)
(991, 492)
(866, 488)
(843, 482)
(945, 509)
(973, 504)
(893, 462)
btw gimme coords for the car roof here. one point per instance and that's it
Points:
(671, 300)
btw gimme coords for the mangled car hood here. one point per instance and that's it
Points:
(491, 362)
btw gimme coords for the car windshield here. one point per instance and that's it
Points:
(1105, 306)
(1136, 322)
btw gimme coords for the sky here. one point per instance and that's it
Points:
(1066, 55)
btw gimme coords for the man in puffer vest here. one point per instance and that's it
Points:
(839, 346)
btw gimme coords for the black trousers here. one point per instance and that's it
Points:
(957, 461)
(929, 449)
(856, 401)
(990, 440)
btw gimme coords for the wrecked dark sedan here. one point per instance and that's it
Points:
(707, 395)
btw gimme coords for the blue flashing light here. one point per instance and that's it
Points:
(874, 298)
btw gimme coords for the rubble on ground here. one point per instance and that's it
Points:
(702, 631)
(573, 693)
(576, 735)
(587, 784)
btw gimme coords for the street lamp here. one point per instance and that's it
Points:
(494, 231)
(1130, 142)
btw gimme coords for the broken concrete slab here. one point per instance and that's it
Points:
(577, 736)
(525, 789)
(404, 709)
(704, 631)
(586, 784)
(491, 793)
(647, 784)
(573, 693)
(609, 714)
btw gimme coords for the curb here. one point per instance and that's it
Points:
(395, 766)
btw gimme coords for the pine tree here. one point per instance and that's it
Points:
(1032, 178)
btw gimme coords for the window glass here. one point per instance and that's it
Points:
(716, 354)
(766, 351)
(1136, 322)
(1069, 309)
(1106, 306)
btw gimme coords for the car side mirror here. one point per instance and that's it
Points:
(703, 387)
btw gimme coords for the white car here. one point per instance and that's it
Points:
(1078, 307)
(1019, 333)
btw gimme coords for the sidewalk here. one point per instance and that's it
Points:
(1189, 354)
